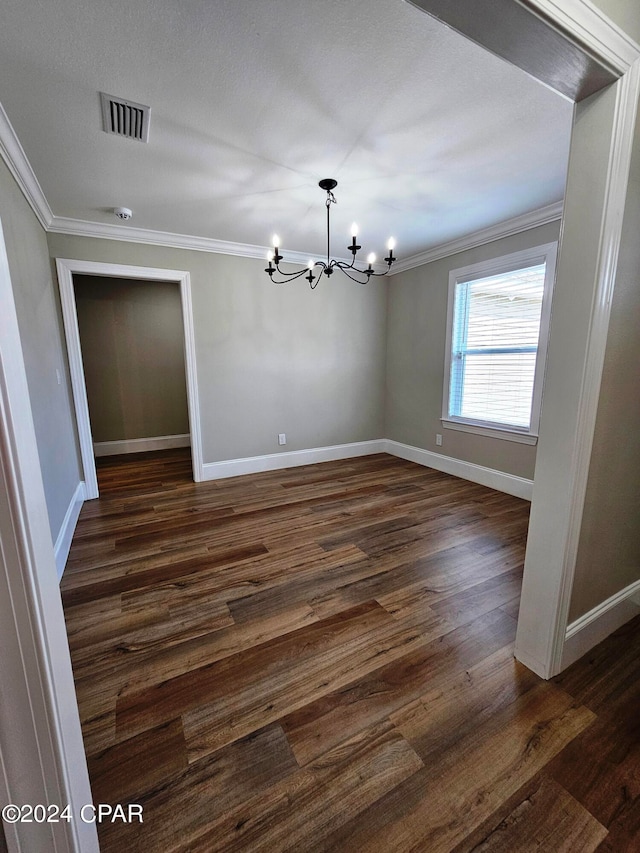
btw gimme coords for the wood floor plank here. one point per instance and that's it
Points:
(548, 820)
(92, 564)
(445, 714)
(512, 608)
(321, 725)
(236, 580)
(408, 586)
(160, 574)
(217, 681)
(226, 700)
(86, 636)
(180, 808)
(142, 668)
(98, 724)
(467, 604)
(123, 772)
(107, 649)
(213, 724)
(298, 813)
(600, 769)
(440, 805)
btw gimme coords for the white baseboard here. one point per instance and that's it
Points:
(512, 485)
(590, 629)
(140, 445)
(519, 487)
(63, 542)
(290, 459)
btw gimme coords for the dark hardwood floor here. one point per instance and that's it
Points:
(321, 659)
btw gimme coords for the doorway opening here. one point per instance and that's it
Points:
(68, 271)
(133, 355)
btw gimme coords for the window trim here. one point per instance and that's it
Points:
(545, 253)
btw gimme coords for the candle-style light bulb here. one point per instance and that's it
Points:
(391, 244)
(371, 259)
(311, 277)
(270, 269)
(276, 241)
(353, 248)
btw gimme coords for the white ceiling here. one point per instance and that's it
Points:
(253, 101)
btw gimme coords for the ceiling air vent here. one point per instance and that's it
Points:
(125, 118)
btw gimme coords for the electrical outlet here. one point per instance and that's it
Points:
(282, 438)
(438, 439)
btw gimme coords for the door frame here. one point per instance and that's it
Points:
(42, 757)
(66, 269)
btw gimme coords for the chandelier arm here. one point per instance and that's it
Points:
(290, 276)
(351, 266)
(293, 274)
(344, 269)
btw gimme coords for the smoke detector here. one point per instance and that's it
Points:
(123, 212)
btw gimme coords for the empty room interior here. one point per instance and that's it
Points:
(320, 449)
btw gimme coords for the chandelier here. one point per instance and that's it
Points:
(361, 276)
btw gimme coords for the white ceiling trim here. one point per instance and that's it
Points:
(542, 216)
(106, 231)
(596, 33)
(130, 234)
(13, 155)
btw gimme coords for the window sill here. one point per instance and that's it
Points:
(492, 432)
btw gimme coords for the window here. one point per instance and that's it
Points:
(497, 327)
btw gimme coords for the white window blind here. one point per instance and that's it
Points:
(494, 345)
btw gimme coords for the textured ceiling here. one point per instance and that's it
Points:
(429, 136)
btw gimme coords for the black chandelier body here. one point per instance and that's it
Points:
(361, 276)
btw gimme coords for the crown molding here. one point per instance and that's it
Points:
(127, 233)
(14, 156)
(586, 25)
(131, 234)
(541, 216)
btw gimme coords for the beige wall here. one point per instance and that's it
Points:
(609, 549)
(37, 307)
(316, 365)
(271, 359)
(417, 316)
(132, 341)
